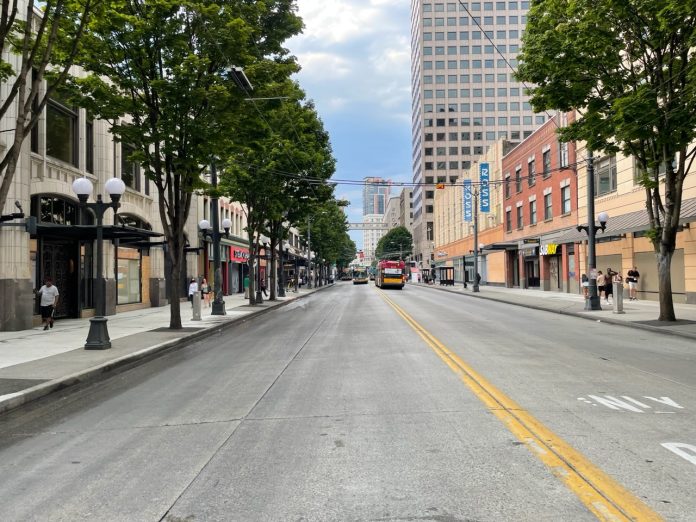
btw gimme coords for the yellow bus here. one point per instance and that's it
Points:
(360, 275)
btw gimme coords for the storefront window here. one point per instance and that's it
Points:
(128, 283)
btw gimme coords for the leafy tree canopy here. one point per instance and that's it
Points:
(395, 244)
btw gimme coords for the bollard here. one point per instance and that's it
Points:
(618, 298)
(196, 306)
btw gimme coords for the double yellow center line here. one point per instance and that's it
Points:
(602, 495)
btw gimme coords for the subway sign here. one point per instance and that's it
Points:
(550, 249)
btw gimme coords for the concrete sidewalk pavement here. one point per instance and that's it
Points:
(34, 363)
(637, 314)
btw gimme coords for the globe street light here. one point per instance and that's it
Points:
(98, 337)
(208, 230)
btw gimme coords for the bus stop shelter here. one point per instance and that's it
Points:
(446, 275)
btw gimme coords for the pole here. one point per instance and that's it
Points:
(98, 336)
(475, 287)
(218, 302)
(309, 252)
(281, 288)
(593, 302)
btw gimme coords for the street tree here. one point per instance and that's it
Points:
(277, 164)
(628, 67)
(40, 44)
(163, 77)
(395, 244)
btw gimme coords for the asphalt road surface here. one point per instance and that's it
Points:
(362, 404)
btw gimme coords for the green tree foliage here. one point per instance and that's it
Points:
(162, 76)
(45, 43)
(395, 244)
(277, 162)
(329, 228)
(628, 67)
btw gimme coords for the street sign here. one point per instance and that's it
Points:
(484, 191)
(468, 204)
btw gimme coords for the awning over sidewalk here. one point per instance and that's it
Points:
(123, 233)
(629, 223)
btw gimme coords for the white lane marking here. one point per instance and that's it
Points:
(685, 451)
(666, 401)
(615, 404)
(642, 405)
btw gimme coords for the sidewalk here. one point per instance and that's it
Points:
(637, 314)
(34, 363)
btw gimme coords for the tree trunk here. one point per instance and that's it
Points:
(175, 256)
(274, 272)
(664, 274)
(252, 272)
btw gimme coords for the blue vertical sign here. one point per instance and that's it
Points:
(485, 189)
(468, 201)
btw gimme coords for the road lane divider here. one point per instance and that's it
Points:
(602, 495)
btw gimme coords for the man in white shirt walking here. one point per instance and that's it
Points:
(49, 299)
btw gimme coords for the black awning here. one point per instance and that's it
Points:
(502, 246)
(124, 234)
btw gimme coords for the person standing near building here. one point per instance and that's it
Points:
(609, 285)
(49, 300)
(601, 282)
(205, 292)
(632, 280)
(193, 288)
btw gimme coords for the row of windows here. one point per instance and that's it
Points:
(464, 64)
(441, 79)
(532, 210)
(477, 136)
(500, 34)
(452, 7)
(465, 50)
(477, 107)
(479, 121)
(531, 174)
(451, 21)
(488, 92)
(62, 143)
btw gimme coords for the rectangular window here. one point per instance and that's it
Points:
(546, 160)
(605, 175)
(508, 188)
(61, 132)
(565, 199)
(548, 206)
(89, 146)
(520, 218)
(531, 173)
(532, 212)
(128, 275)
(508, 220)
(130, 171)
(518, 180)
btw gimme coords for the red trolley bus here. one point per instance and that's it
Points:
(390, 274)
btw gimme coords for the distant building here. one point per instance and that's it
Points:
(375, 195)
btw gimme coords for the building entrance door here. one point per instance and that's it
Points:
(59, 262)
(555, 273)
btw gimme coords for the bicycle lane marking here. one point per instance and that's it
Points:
(600, 493)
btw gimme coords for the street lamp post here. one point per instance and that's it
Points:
(259, 298)
(593, 302)
(309, 252)
(98, 336)
(475, 287)
(213, 231)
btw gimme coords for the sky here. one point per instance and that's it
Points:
(355, 59)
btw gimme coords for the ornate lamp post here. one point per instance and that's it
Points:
(210, 230)
(98, 337)
(593, 302)
(283, 254)
(265, 244)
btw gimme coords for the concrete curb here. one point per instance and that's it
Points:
(131, 360)
(607, 320)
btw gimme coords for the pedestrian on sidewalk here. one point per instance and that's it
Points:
(601, 283)
(193, 288)
(49, 300)
(205, 292)
(263, 286)
(632, 280)
(609, 285)
(585, 285)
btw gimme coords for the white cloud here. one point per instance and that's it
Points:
(321, 64)
(338, 21)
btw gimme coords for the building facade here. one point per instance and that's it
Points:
(465, 98)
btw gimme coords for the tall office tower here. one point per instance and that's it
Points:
(375, 196)
(464, 96)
